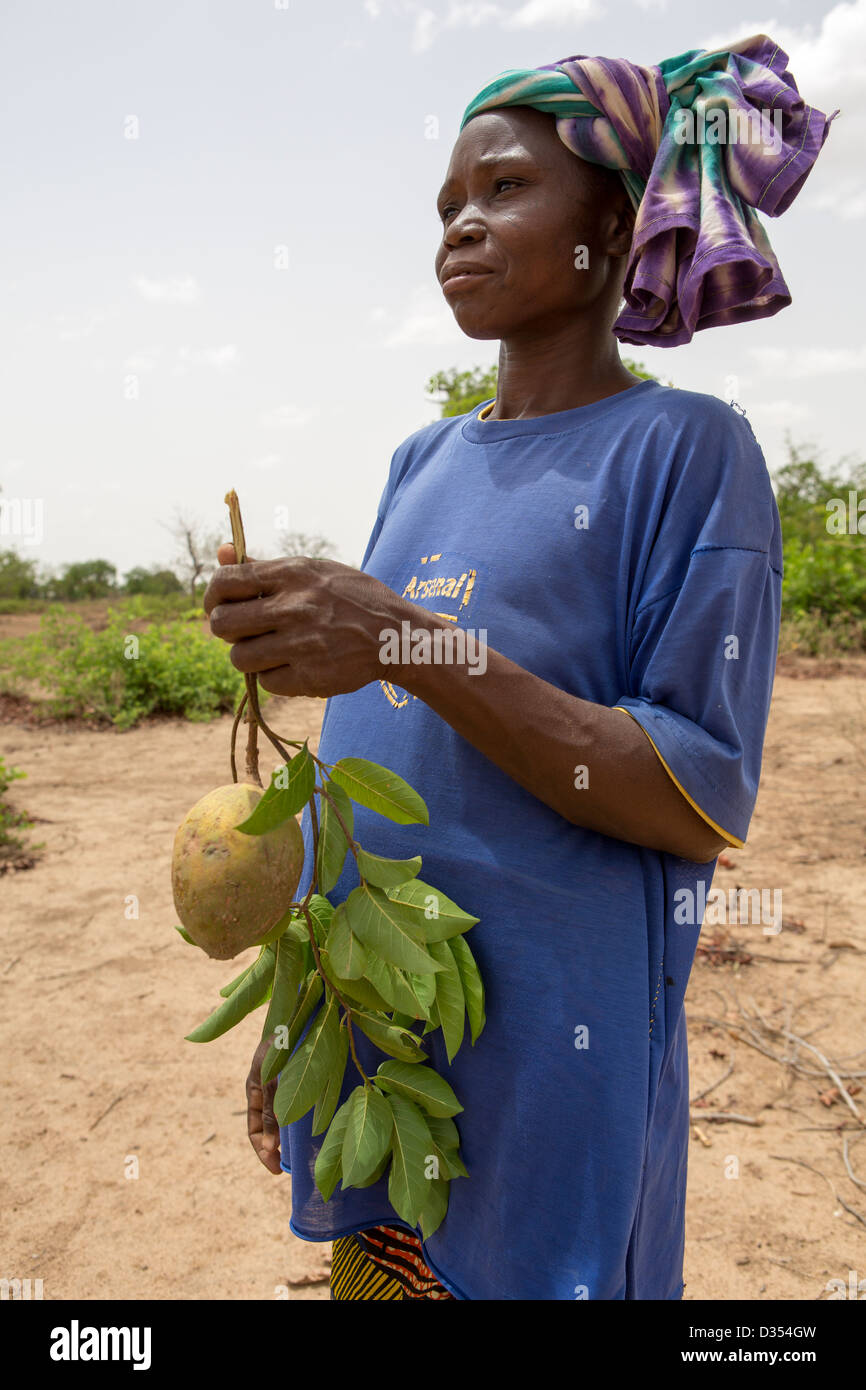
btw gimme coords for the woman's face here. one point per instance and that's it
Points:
(517, 204)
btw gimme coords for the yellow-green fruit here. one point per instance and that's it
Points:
(231, 888)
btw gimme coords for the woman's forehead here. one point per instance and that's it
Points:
(513, 133)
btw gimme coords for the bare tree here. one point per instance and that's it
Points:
(196, 555)
(297, 543)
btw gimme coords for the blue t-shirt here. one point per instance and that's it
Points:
(628, 552)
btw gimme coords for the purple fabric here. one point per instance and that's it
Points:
(700, 255)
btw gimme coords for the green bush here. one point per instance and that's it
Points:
(121, 677)
(11, 844)
(824, 586)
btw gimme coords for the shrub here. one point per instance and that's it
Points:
(11, 844)
(120, 677)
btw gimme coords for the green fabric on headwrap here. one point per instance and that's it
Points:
(700, 255)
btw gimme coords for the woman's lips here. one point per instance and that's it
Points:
(463, 281)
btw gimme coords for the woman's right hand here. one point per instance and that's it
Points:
(262, 1127)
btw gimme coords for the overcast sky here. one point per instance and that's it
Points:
(218, 234)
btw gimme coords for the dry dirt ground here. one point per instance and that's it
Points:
(98, 1082)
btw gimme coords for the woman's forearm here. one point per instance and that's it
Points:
(544, 738)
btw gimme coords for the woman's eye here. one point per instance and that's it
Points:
(497, 184)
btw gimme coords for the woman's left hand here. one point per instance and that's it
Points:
(303, 626)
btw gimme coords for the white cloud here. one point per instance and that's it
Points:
(780, 412)
(538, 12)
(808, 362)
(472, 14)
(287, 416)
(144, 361)
(427, 320)
(221, 358)
(181, 291)
(72, 330)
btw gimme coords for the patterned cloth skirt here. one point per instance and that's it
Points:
(382, 1262)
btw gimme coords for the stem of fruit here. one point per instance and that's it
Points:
(342, 824)
(329, 984)
(252, 755)
(240, 710)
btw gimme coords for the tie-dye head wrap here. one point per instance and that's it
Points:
(700, 142)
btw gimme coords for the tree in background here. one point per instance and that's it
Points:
(824, 569)
(18, 577)
(298, 543)
(152, 581)
(464, 391)
(85, 579)
(196, 555)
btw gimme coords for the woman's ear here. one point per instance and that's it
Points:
(622, 216)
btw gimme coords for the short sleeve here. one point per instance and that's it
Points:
(396, 470)
(705, 632)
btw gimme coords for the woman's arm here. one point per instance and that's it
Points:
(312, 627)
(543, 738)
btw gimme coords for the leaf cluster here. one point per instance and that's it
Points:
(388, 961)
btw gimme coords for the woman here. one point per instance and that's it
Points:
(615, 545)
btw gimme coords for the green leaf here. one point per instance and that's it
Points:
(444, 1132)
(377, 1172)
(305, 1074)
(408, 1187)
(420, 1084)
(368, 1134)
(347, 954)
(378, 972)
(433, 1213)
(327, 1102)
(185, 934)
(233, 984)
(277, 1057)
(297, 928)
(249, 994)
(436, 916)
(329, 1160)
(395, 989)
(402, 1020)
(449, 998)
(278, 929)
(322, 912)
(387, 873)
(471, 984)
(383, 929)
(397, 1042)
(290, 789)
(333, 845)
(433, 1021)
(424, 989)
(287, 981)
(406, 996)
(451, 1165)
(355, 991)
(380, 790)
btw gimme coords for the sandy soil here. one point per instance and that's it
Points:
(95, 1003)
